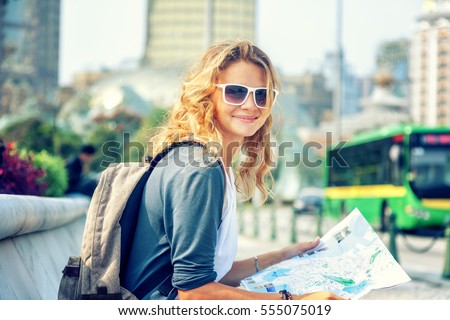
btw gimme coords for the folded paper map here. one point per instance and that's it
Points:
(350, 261)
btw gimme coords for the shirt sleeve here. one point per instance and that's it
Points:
(192, 212)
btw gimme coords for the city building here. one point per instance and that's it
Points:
(430, 65)
(351, 90)
(381, 108)
(29, 42)
(179, 30)
(131, 92)
(314, 98)
(393, 57)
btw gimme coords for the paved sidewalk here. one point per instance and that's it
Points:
(423, 286)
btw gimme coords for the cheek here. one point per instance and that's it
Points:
(216, 98)
(216, 103)
(264, 115)
(221, 109)
(218, 116)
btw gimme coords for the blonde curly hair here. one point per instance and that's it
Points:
(193, 116)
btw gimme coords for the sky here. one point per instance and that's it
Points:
(296, 34)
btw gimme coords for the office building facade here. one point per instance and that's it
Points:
(29, 60)
(430, 65)
(179, 30)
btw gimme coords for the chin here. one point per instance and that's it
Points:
(249, 134)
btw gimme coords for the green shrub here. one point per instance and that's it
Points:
(55, 176)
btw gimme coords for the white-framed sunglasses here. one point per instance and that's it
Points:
(237, 94)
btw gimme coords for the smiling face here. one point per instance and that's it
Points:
(237, 122)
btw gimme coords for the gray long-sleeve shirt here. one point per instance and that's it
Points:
(178, 221)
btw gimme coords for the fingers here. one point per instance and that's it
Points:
(298, 248)
(321, 295)
(315, 242)
(332, 296)
(310, 244)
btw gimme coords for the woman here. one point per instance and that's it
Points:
(187, 223)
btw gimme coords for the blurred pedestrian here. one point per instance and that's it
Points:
(78, 172)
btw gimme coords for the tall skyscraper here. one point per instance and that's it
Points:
(29, 46)
(178, 30)
(430, 65)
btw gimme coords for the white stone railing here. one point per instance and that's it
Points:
(37, 235)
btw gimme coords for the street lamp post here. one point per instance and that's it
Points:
(337, 94)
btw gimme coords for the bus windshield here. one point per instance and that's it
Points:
(430, 166)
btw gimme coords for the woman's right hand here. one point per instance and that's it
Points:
(321, 295)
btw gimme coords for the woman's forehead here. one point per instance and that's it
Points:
(243, 71)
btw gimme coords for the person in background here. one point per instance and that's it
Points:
(77, 170)
(187, 221)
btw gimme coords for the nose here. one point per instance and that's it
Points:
(250, 102)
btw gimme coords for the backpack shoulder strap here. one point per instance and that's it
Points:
(154, 161)
(163, 282)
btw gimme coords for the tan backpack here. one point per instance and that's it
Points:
(114, 208)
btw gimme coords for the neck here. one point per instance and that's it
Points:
(228, 151)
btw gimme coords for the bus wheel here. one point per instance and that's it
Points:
(386, 213)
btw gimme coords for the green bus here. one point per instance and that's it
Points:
(403, 170)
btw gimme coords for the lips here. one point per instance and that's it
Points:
(245, 118)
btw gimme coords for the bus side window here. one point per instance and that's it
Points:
(396, 164)
(447, 169)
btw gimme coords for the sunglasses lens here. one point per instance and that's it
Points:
(261, 97)
(235, 94)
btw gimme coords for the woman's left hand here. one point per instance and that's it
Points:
(298, 248)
